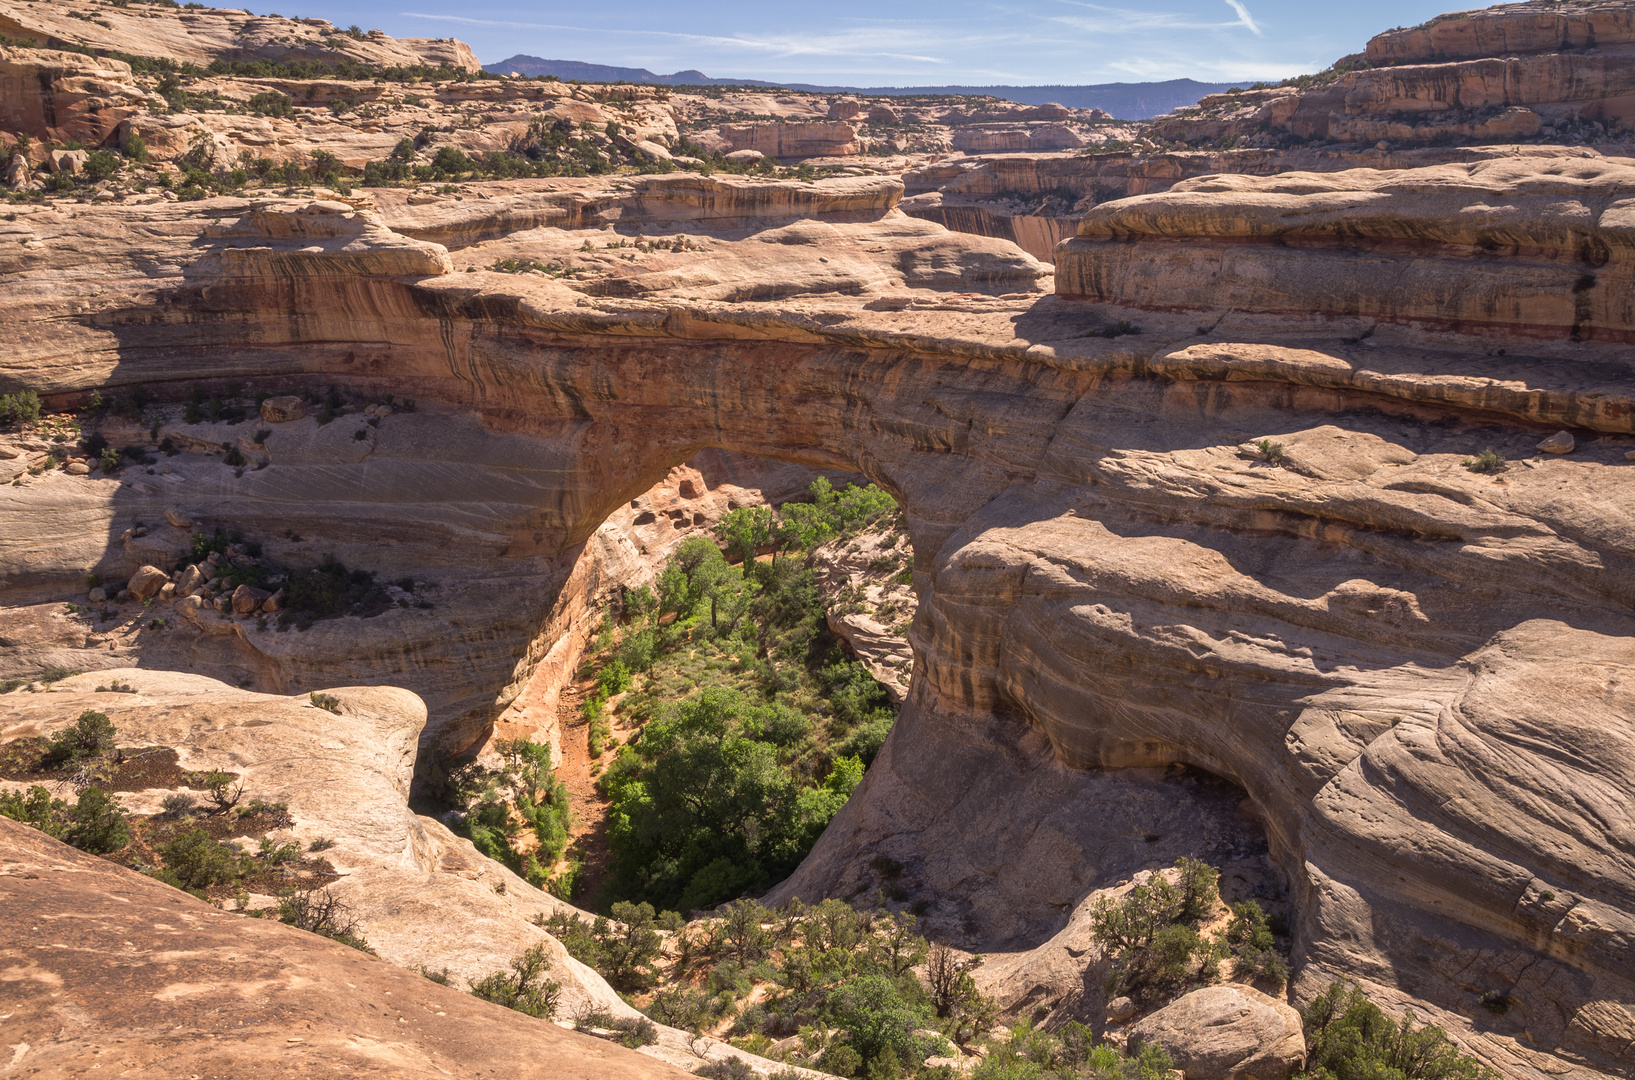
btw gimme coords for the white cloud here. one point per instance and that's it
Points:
(1244, 18)
(856, 43)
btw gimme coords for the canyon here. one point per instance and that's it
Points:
(1201, 561)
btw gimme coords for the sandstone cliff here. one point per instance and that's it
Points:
(1213, 509)
(1101, 556)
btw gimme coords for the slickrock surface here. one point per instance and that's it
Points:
(424, 898)
(105, 969)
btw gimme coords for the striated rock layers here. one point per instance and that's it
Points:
(1505, 246)
(1419, 674)
(834, 138)
(61, 96)
(1496, 75)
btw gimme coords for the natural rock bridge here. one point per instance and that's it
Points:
(1407, 665)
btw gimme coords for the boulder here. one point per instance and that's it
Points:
(248, 598)
(97, 595)
(1226, 1033)
(282, 410)
(275, 602)
(883, 114)
(845, 110)
(1120, 1009)
(1561, 442)
(178, 519)
(652, 151)
(67, 161)
(146, 582)
(745, 156)
(76, 468)
(189, 580)
(18, 174)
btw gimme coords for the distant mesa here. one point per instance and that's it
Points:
(1127, 101)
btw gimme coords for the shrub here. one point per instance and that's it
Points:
(1348, 1037)
(37, 808)
(1151, 934)
(630, 947)
(1118, 329)
(198, 862)
(1254, 947)
(326, 702)
(1273, 453)
(877, 1020)
(524, 986)
(613, 679)
(635, 1031)
(1487, 461)
(91, 735)
(101, 164)
(731, 1068)
(177, 804)
(96, 823)
(22, 407)
(321, 912)
(271, 103)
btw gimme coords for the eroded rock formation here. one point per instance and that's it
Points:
(1214, 506)
(1097, 552)
(1528, 247)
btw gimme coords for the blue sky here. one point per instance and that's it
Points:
(910, 42)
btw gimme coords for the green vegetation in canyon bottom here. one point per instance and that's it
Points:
(753, 725)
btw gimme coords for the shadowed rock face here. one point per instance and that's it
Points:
(106, 969)
(1353, 631)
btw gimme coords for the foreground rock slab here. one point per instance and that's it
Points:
(106, 969)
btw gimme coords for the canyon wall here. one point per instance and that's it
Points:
(1347, 631)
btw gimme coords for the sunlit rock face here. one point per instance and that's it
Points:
(1170, 524)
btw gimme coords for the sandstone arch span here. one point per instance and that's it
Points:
(1419, 674)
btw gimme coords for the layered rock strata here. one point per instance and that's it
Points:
(1502, 247)
(59, 96)
(1113, 572)
(1502, 74)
